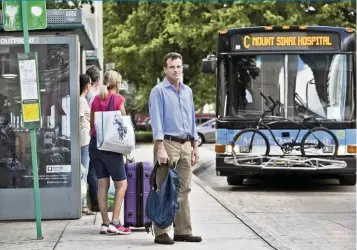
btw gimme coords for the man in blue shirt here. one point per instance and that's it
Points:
(172, 115)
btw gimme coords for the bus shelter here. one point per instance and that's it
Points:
(61, 58)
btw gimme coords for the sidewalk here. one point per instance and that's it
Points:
(217, 226)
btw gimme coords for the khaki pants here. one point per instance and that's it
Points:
(181, 154)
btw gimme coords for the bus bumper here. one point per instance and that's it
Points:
(225, 169)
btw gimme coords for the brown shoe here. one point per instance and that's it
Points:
(187, 238)
(163, 239)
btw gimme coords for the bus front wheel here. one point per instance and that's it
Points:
(348, 179)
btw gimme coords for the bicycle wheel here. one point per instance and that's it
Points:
(251, 141)
(319, 142)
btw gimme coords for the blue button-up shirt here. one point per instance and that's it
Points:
(172, 112)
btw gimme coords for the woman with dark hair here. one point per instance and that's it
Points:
(84, 129)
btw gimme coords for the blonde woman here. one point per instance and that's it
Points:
(108, 164)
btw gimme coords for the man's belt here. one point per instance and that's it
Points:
(181, 140)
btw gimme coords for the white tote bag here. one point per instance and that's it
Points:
(114, 132)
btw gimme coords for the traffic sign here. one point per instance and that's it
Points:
(29, 90)
(12, 15)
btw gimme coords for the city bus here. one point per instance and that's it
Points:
(292, 89)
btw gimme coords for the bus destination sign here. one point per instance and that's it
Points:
(287, 41)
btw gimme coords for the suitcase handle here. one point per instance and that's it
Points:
(129, 160)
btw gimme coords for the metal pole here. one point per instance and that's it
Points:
(286, 86)
(25, 26)
(36, 185)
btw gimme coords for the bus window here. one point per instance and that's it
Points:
(323, 87)
(337, 82)
(252, 75)
(305, 87)
(320, 80)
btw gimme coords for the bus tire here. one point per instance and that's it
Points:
(303, 141)
(250, 130)
(235, 180)
(347, 180)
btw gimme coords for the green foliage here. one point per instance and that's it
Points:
(138, 34)
(65, 5)
(143, 136)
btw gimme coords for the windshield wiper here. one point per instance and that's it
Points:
(274, 104)
(301, 104)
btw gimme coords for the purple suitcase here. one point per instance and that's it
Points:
(138, 174)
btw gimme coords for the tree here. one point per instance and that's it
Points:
(69, 5)
(65, 5)
(138, 35)
(138, 45)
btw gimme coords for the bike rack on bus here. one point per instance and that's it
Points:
(285, 162)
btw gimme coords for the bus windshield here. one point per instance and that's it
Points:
(322, 82)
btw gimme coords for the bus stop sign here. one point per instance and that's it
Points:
(12, 15)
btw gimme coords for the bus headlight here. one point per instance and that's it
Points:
(328, 149)
(244, 149)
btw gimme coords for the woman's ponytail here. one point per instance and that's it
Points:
(103, 91)
(112, 79)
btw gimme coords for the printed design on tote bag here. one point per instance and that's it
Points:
(99, 132)
(122, 130)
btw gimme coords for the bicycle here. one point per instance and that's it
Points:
(287, 147)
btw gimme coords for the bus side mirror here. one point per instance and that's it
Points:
(209, 64)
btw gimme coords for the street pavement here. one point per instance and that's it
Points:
(219, 228)
(301, 213)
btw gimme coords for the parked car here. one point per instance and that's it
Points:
(202, 118)
(207, 132)
(144, 125)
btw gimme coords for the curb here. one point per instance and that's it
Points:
(202, 166)
(272, 240)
